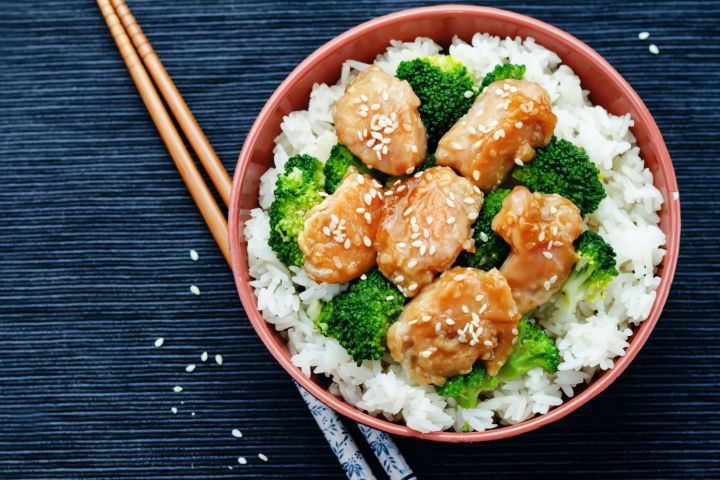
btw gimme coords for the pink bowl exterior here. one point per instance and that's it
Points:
(442, 22)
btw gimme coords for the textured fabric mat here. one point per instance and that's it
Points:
(96, 225)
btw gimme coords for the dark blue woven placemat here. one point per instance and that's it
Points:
(96, 225)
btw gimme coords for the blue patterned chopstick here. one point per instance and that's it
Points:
(347, 452)
(387, 453)
(343, 446)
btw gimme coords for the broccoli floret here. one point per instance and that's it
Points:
(341, 158)
(297, 189)
(441, 83)
(359, 318)
(594, 269)
(467, 388)
(490, 249)
(503, 71)
(565, 169)
(534, 348)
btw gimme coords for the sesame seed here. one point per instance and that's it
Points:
(426, 318)
(476, 174)
(469, 200)
(363, 108)
(554, 230)
(367, 241)
(468, 93)
(553, 209)
(194, 255)
(518, 124)
(356, 100)
(484, 237)
(500, 133)
(459, 278)
(417, 243)
(368, 218)
(218, 359)
(653, 49)
(450, 220)
(426, 233)
(408, 212)
(432, 250)
(479, 297)
(346, 245)
(399, 279)
(401, 245)
(422, 249)
(465, 308)
(429, 220)
(263, 457)
(413, 149)
(557, 244)
(174, 410)
(644, 35)
(242, 460)
(471, 129)
(553, 279)
(364, 98)
(483, 308)
(362, 114)
(450, 203)
(547, 255)
(389, 298)
(363, 277)
(385, 96)
(204, 356)
(426, 353)
(159, 342)
(194, 289)
(475, 317)
(450, 321)
(360, 179)
(190, 368)
(326, 231)
(408, 172)
(412, 286)
(401, 187)
(177, 389)
(236, 433)
(456, 146)
(487, 343)
(411, 263)
(541, 237)
(546, 285)
(375, 106)
(412, 322)
(498, 91)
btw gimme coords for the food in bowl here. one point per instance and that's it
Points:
(457, 241)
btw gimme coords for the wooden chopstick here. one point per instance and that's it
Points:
(194, 182)
(200, 144)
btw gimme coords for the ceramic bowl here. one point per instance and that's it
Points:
(441, 23)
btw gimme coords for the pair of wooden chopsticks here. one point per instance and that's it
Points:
(138, 55)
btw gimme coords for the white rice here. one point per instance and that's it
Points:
(588, 341)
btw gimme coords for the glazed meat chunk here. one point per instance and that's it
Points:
(464, 316)
(339, 232)
(377, 119)
(507, 122)
(541, 230)
(424, 225)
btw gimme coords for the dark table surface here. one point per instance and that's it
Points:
(96, 225)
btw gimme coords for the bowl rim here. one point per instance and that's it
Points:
(266, 332)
